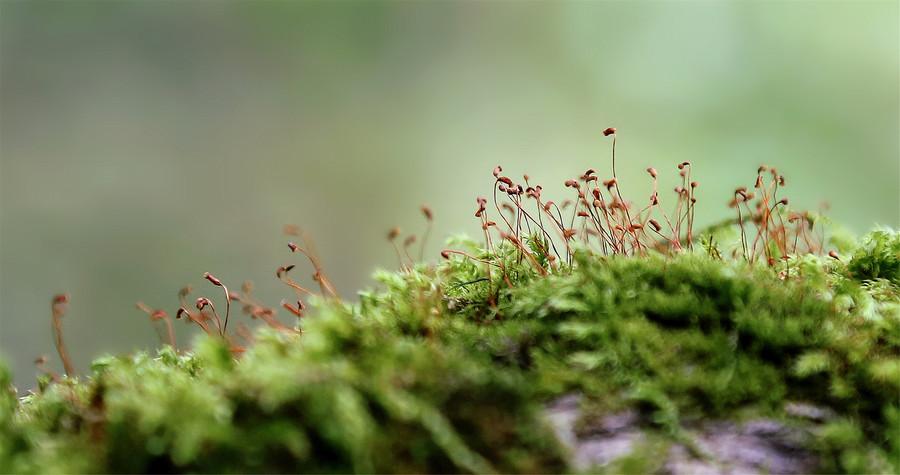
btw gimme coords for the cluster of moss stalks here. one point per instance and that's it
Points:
(433, 374)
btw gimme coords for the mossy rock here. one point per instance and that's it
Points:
(449, 369)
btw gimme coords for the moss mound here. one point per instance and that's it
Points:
(448, 368)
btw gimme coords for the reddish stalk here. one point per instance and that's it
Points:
(41, 363)
(447, 252)
(58, 308)
(218, 283)
(202, 303)
(518, 244)
(192, 318)
(429, 220)
(392, 238)
(409, 241)
(156, 316)
(328, 289)
(741, 195)
(296, 310)
(282, 274)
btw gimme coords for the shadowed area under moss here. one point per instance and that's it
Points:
(449, 369)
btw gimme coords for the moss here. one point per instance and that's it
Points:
(348, 396)
(877, 258)
(446, 369)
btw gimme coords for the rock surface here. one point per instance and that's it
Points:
(758, 446)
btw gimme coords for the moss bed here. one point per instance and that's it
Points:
(432, 374)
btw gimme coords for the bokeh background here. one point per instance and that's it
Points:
(143, 143)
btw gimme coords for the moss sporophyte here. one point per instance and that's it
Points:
(459, 365)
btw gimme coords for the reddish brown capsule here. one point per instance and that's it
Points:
(426, 211)
(297, 311)
(293, 247)
(609, 131)
(61, 298)
(652, 172)
(655, 224)
(393, 233)
(283, 270)
(201, 303)
(445, 254)
(497, 170)
(158, 315)
(833, 255)
(212, 279)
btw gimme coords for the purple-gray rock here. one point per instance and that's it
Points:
(757, 446)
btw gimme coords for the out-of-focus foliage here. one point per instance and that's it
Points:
(437, 372)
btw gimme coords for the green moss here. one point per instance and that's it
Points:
(877, 258)
(446, 369)
(347, 396)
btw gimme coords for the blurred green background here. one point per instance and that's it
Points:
(143, 143)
